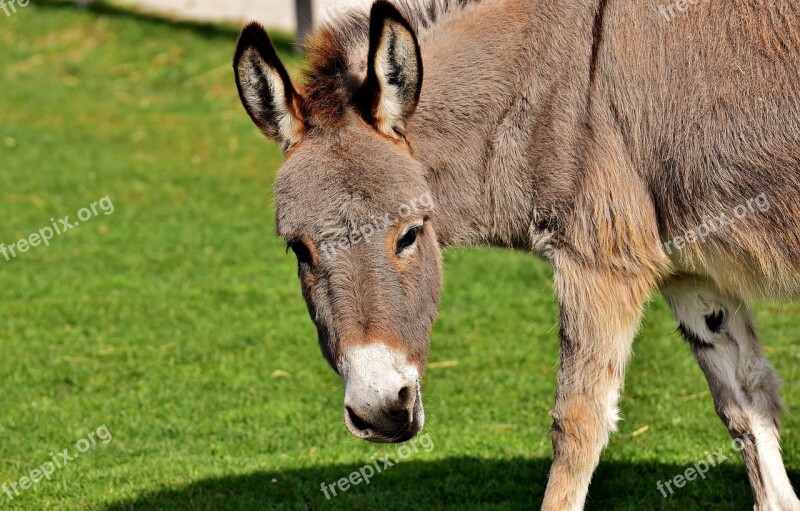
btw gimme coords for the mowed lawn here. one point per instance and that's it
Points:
(177, 322)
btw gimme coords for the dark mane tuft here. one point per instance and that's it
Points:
(337, 55)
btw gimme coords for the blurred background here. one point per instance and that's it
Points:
(298, 16)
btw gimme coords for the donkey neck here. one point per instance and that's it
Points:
(500, 117)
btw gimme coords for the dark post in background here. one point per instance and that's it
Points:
(304, 21)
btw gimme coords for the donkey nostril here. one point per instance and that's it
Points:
(404, 394)
(357, 421)
(400, 408)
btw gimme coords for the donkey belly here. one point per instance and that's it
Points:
(728, 191)
(711, 108)
(746, 239)
(729, 205)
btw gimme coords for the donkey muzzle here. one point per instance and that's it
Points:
(383, 401)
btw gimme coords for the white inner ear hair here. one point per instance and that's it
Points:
(277, 118)
(395, 58)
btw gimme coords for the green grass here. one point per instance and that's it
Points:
(178, 323)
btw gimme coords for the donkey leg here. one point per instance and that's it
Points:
(743, 385)
(600, 315)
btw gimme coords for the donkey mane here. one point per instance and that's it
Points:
(337, 55)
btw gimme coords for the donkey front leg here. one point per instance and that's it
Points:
(743, 385)
(600, 314)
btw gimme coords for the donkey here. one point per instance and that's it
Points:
(636, 152)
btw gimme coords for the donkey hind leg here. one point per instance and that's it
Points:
(744, 386)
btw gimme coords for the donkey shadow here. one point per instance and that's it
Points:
(462, 483)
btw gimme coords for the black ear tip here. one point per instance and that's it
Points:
(255, 27)
(383, 9)
(252, 32)
(255, 36)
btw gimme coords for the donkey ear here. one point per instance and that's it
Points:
(391, 90)
(265, 88)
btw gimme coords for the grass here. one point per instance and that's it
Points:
(177, 321)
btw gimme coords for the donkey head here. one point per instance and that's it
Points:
(354, 206)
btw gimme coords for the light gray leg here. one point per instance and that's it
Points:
(743, 384)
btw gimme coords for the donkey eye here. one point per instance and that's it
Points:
(302, 252)
(408, 240)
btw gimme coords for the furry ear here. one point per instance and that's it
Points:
(391, 90)
(265, 89)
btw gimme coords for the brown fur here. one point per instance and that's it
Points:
(589, 132)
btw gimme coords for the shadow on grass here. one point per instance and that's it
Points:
(229, 32)
(453, 484)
